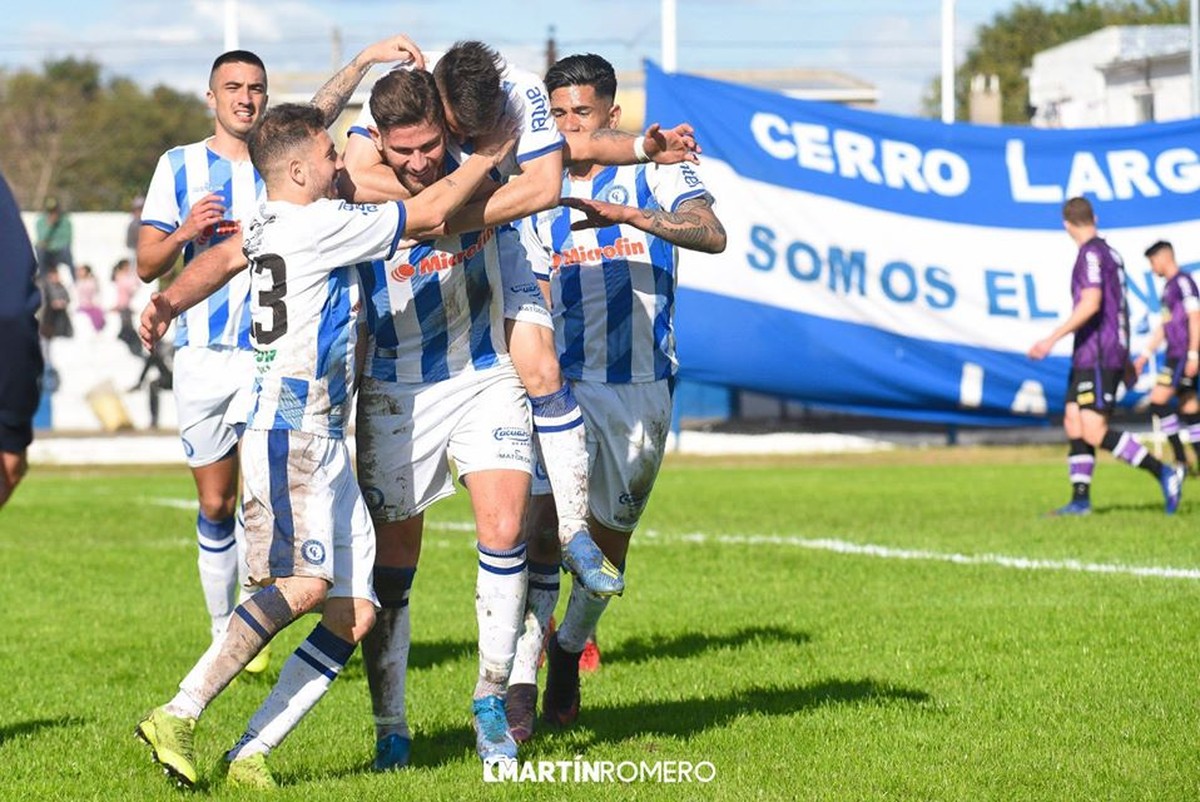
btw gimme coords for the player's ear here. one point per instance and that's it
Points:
(210, 99)
(376, 137)
(298, 171)
(614, 116)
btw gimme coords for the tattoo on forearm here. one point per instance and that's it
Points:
(688, 228)
(610, 133)
(335, 94)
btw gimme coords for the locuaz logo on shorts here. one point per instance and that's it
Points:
(313, 552)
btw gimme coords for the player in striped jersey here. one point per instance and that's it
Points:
(309, 534)
(1180, 327)
(609, 256)
(479, 88)
(198, 197)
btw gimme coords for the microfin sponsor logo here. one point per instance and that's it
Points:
(621, 249)
(442, 260)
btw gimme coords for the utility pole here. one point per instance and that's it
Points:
(948, 61)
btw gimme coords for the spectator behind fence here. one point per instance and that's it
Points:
(21, 367)
(160, 359)
(86, 293)
(56, 321)
(126, 284)
(54, 238)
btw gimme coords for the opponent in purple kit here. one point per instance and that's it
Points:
(1100, 322)
(1181, 329)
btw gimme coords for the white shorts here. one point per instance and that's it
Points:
(213, 386)
(408, 433)
(304, 513)
(523, 299)
(627, 428)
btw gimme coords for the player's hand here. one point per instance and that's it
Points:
(671, 145)
(1041, 348)
(208, 211)
(399, 49)
(1191, 368)
(156, 319)
(499, 142)
(1139, 364)
(598, 214)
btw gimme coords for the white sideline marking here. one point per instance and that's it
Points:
(889, 553)
(846, 547)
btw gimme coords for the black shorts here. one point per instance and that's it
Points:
(1171, 375)
(1094, 388)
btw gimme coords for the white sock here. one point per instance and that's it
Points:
(218, 561)
(386, 648)
(562, 442)
(499, 609)
(540, 602)
(302, 682)
(583, 611)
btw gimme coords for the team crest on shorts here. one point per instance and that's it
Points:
(313, 552)
(618, 195)
(187, 448)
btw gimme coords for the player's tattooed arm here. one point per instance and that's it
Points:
(693, 225)
(333, 96)
(611, 146)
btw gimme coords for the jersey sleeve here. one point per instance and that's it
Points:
(672, 184)
(1089, 269)
(535, 247)
(349, 233)
(161, 207)
(529, 102)
(364, 119)
(1188, 296)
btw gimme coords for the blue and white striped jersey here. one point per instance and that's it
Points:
(527, 101)
(305, 305)
(613, 289)
(183, 176)
(436, 309)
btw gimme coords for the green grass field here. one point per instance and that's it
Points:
(757, 634)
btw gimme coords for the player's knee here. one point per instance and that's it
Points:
(217, 507)
(349, 619)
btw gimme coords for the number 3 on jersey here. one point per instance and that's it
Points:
(272, 298)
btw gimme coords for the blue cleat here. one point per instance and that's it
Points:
(493, 741)
(1076, 507)
(392, 752)
(1171, 482)
(583, 558)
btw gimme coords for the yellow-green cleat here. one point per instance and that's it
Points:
(260, 662)
(171, 744)
(250, 772)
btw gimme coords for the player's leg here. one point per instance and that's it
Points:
(1127, 448)
(1081, 463)
(1189, 412)
(334, 505)
(1160, 408)
(540, 600)
(270, 458)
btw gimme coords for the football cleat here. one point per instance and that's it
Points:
(493, 742)
(520, 706)
(595, 574)
(1170, 479)
(560, 702)
(260, 661)
(1075, 507)
(171, 740)
(589, 661)
(250, 772)
(392, 751)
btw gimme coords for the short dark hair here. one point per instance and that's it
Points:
(585, 69)
(468, 76)
(281, 130)
(406, 97)
(1078, 211)
(236, 57)
(1162, 244)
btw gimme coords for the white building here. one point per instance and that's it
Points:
(1120, 75)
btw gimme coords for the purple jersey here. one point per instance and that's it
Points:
(1178, 299)
(1103, 341)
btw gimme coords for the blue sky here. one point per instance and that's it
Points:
(894, 44)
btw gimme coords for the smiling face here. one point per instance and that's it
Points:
(416, 153)
(237, 95)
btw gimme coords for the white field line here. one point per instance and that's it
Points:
(836, 546)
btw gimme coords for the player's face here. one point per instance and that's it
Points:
(579, 109)
(416, 153)
(324, 164)
(237, 94)
(1160, 261)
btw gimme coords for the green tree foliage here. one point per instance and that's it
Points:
(92, 143)
(1005, 47)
